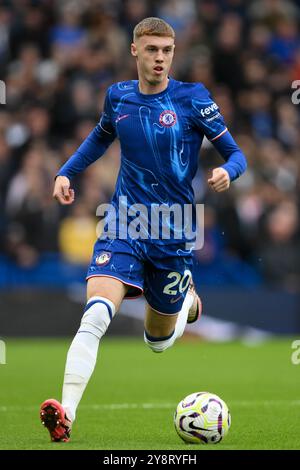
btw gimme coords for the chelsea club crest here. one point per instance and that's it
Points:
(103, 258)
(168, 118)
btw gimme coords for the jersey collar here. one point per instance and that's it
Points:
(152, 96)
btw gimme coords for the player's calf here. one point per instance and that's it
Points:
(82, 354)
(189, 313)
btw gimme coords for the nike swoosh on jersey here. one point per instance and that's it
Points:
(119, 118)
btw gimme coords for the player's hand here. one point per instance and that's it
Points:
(62, 191)
(220, 180)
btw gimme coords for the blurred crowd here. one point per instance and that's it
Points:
(57, 59)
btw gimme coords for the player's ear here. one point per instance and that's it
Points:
(133, 49)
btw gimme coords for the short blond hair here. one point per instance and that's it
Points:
(153, 27)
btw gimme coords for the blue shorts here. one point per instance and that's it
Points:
(161, 273)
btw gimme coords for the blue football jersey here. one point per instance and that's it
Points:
(160, 137)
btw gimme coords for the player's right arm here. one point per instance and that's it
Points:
(92, 148)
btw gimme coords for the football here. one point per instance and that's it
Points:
(202, 418)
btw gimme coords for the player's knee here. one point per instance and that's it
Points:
(159, 344)
(108, 288)
(97, 316)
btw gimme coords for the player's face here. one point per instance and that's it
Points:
(154, 56)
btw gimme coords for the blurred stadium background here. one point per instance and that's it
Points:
(57, 59)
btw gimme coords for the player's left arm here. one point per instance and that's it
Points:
(234, 167)
(208, 120)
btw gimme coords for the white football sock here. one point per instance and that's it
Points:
(183, 315)
(82, 355)
(159, 344)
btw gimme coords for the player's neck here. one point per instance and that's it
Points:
(147, 88)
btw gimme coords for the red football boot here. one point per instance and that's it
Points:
(54, 418)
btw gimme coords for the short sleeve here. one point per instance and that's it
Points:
(206, 116)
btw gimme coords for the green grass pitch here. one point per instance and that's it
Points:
(130, 401)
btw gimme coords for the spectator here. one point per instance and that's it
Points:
(57, 58)
(280, 251)
(77, 235)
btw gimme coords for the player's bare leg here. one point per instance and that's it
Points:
(104, 296)
(108, 287)
(158, 325)
(161, 330)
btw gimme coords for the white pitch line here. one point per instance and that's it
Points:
(158, 406)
